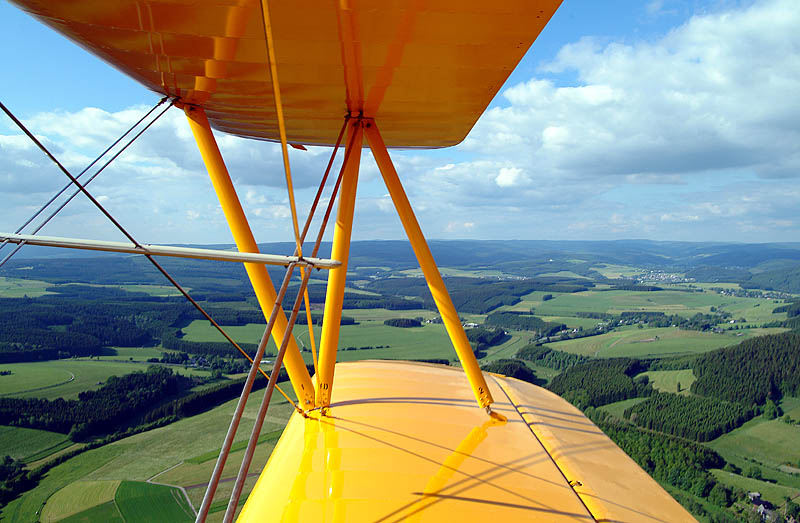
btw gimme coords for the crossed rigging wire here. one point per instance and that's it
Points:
(301, 295)
(81, 188)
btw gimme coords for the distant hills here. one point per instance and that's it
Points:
(764, 265)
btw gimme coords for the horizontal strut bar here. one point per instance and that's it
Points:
(167, 250)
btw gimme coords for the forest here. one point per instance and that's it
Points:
(766, 367)
(672, 460)
(98, 411)
(693, 417)
(547, 357)
(600, 381)
(521, 321)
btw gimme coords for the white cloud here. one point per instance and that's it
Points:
(510, 177)
(693, 132)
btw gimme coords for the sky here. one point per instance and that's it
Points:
(662, 120)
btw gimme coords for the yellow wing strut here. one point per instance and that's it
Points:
(440, 295)
(243, 236)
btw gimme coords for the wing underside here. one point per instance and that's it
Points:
(425, 69)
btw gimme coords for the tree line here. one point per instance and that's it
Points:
(761, 368)
(547, 357)
(601, 381)
(522, 321)
(693, 417)
(668, 459)
(98, 411)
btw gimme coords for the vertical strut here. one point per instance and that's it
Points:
(440, 295)
(334, 296)
(245, 242)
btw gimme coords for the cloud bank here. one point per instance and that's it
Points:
(691, 135)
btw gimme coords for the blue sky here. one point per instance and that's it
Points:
(667, 120)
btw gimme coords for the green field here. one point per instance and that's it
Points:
(668, 380)
(146, 502)
(30, 444)
(67, 378)
(615, 271)
(754, 310)
(428, 341)
(771, 442)
(152, 290)
(18, 288)
(528, 301)
(107, 513)
(507, 349)
(617, 408)
(448, 271)
(638, 343)
(769, 491)
(138, 354)
(77, 497)
(572, 322)
(149, 454)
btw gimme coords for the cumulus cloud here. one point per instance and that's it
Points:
(713, 96)
(690, 134)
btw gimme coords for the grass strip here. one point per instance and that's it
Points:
(270, 437)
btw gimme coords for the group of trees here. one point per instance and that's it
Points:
(53, 326)
(522, 321)
(547, 357)
(692, 417)
(482, 338)
(672, 460)
(513, 368)
(98, 411)
(404, 323)
(14, 478)
(475, 295)
(601, 381)
(761, 368)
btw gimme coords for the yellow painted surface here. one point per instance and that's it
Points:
(334, 296)
(612, 485)
(441, 297)
(425, 70)
(245, 242)
(405, 441)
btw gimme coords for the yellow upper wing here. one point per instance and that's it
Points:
(426, 70)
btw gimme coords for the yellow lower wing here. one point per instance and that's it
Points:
(404, 441)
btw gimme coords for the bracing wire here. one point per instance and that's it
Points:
(68, 185)
(233, 503)
(305, 231)
(77, 191)
(276, 95)
(82, 188)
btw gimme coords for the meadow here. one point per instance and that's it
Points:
(428, 341)
(617, 409)
(668, 380)
(18, 288)
(151, 455)
(67, 378)
(771, 442)
(77, 497)
(769, 491)
(633, 342)
(754, 310)
(30, 444)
